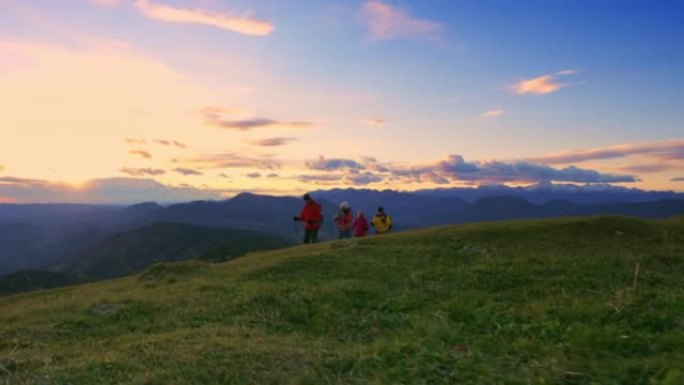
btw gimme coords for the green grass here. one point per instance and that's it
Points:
(529, 302)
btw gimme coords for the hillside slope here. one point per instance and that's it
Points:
(529, 302)
(133, 251)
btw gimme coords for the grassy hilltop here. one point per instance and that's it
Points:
(530, 302)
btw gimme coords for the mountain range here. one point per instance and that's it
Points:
(547, 191)
(101, 241)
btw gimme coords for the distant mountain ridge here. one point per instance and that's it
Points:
(411, 210)
(547, 191)
(41, 236)
(133, 251)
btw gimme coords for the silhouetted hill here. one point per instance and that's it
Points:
(31, 241)
(37, 235)
(499, 208)
(133, 251)
(29, 280)
(18, 247)
(244, 211)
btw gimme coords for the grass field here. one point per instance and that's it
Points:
(567, 301)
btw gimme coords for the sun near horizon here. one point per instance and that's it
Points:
(109, 101)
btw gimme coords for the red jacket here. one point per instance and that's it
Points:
(360, 226)
(344, 221)
(311, 215)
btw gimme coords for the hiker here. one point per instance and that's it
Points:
(312, 217)
(360, 225)
(381, 221)
(344, 221)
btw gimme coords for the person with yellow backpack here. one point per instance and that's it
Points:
(381, 221)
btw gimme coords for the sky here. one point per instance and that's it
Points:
(119, 101)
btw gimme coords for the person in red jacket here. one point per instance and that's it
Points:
(312, 217)
(344, 221)
(360, 225)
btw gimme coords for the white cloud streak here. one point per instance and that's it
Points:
(234, 22)
(542, 85)
(492, 114)
(385, 22)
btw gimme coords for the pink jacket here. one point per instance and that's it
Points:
(360, 226)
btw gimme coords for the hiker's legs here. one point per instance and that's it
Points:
(311, 236)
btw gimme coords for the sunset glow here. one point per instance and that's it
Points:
(177, 100)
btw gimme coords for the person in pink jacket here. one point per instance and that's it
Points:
(360, 225)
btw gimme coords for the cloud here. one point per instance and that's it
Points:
(385, 22)
(2, 168)
(272, 142)
(106, 3)
(665, 150)
(253, 175)
(678, 179)
(187, 171)
(100, 191)
(239, 23)
(374, 122)
(492, 113)
(651, 168)
(320, 178)
(364, 178)
(323, 164)
(218, 161)
(456, 168)
(541, 85)
(163, 142)
(345, 177)
(25, 182)
(246, 125)
(142, 171)
(452, 169)
(142, 153)
(216, 117)
(167, 142)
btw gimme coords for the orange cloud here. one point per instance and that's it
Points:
(272, 142)
(142, 153)
(663, 151)
(242, 24)
(385, 22)
(374, 122)
(492, 113)
(538, 86)
(142, 171)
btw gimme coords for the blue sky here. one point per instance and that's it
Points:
(402, 88)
